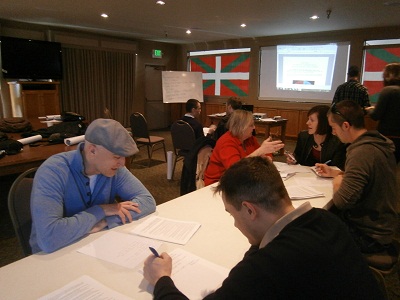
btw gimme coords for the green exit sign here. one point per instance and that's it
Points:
(157, 53)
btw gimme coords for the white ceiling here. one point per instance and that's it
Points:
(209, 20)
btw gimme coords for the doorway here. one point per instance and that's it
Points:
(157, 112)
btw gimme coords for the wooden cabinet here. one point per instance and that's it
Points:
(35, 99)
(303, 118)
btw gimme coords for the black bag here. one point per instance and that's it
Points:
(11, 146)
(59, 132)
(16, 124)
(71, 117)
(3, 136)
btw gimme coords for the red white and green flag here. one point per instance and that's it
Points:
(223, 74)
(375, 62)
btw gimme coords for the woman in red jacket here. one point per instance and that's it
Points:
(236, 144)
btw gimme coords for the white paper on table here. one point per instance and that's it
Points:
(119, 248)
(193, 275)
(313, 181)
(74, 140)
(285, 168)
(168, 230)
(314, 169)
(84, 288)
(303, 192)
(286, 176)
(30, 139)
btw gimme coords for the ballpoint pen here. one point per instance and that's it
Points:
(327, 162)
(154, 251)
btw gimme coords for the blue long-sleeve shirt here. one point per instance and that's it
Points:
(63, 207)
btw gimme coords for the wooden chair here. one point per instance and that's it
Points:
(107, 114)
(19, 208)
(141, 136)
(183, 138)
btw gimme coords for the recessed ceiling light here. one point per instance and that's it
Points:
(188, 31)
(104, 15)
(160, 2)
(314, 17)
(243, 25)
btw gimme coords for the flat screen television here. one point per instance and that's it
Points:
(30, 59)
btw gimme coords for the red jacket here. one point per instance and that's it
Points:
(227, 151)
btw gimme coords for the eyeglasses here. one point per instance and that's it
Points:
(335, 111)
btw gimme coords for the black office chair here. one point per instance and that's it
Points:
(19, 208)
(384, 265)
(183, 138)
(141, 136)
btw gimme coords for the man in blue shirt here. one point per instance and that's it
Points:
(80, 192)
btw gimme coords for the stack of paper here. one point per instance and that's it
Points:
(303, 192)
(174, 231)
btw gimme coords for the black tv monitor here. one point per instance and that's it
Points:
(30, 59)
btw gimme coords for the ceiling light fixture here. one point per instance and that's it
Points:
(104, 15)
(160, 2)
(188, 31)
(243, 25)
(314, 17)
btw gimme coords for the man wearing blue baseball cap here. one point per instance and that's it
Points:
(79, 192)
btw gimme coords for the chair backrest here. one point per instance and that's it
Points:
(19, 208)
(139, 126)
(183, 136)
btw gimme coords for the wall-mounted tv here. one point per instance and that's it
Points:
(30, 59)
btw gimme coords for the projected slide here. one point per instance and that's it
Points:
(305, 68)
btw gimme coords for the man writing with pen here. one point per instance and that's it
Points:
(295, 253)
(365, 194)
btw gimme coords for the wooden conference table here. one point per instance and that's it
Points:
(217, 241)
(267, 123)
(29, 157)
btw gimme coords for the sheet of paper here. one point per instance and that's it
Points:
(314, 169)
(193, 275)
(285, 168)
(286, 176)
(84, 288)
(302, 192)
(313, 181)
(119, 248)
(174, 231)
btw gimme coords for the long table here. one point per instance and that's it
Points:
(267, 123)
(30, 157)
(217, 241)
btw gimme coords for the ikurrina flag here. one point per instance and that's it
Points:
(224, 74)
(375, 62)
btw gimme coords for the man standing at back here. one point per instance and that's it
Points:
(352, 89)
(193, 110)
(365, 195)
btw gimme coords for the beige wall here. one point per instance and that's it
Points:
(355, 37)
(175, 56)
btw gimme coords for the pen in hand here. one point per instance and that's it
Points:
(327, 162)
(154, 251)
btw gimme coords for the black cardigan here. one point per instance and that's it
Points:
(332, 149)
